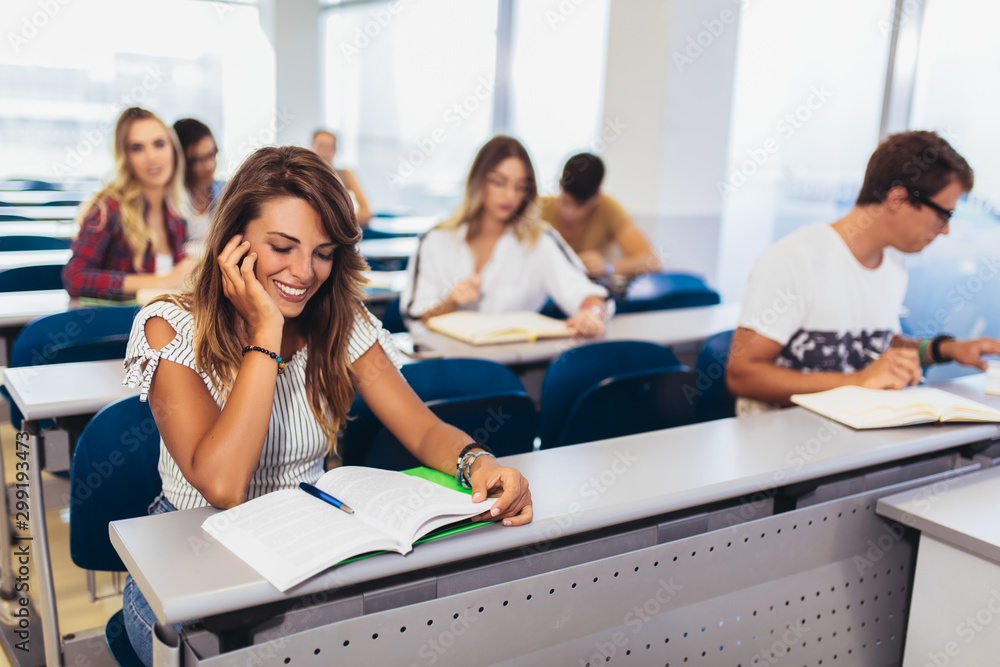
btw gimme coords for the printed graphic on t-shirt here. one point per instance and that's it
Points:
(833, 351)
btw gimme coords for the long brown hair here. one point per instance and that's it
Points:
(328, 318)
(124, 186)
(526, 220)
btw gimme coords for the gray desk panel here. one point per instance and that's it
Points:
(19, 308)
(10, 260)
(388, 248)
(574, 489)
(961, 512)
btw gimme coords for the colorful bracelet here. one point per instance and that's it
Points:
(255, 348)
(463, 466)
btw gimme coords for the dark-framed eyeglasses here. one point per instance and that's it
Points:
(206, 158)
(944, 213)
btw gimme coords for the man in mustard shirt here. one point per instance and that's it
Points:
(592, 222)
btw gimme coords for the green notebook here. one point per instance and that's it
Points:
(288, 536)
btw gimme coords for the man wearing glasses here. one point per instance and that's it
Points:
(822, 304)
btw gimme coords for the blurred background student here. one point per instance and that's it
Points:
(132, 232)
(593, 223)
(324, 144)
(496, 254)
(200, 153)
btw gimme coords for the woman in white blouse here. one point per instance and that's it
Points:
(251, 373)
(496, 255)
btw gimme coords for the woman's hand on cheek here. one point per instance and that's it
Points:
(242, 288)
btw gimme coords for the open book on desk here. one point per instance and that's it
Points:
(288, 536)
(860, 408)
(483, 329)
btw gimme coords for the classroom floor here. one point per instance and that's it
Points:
(76, 611)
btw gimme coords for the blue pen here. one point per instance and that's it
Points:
(324, 496)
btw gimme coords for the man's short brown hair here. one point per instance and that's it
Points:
(919, 161)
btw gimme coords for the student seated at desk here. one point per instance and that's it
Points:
(496, 255)
(324, 144)
(822, 305)
(251, 372)
(200, 153)
(132, 233)
(592, 222)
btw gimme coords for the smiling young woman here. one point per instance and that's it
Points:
(132, 233)
(252, 371)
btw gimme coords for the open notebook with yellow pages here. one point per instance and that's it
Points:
(860, 408)
(482, 329)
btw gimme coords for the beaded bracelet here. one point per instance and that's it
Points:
(255, 348)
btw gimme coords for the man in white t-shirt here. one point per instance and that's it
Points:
(822, 305)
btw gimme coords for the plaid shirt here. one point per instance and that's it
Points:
(101, 257)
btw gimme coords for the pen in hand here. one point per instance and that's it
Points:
(324, 496)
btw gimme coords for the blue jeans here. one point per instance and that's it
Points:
(139, 618)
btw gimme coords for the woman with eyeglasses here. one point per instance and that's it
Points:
(200, 153)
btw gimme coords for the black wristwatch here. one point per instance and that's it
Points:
(936, 348)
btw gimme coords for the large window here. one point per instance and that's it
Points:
(411, 89)
(807, 104)
(955, 282)
(69, 69)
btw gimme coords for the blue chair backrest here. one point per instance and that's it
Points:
(114, 476)
(392, 318)
(31, 278)
(663, 291)
(26, 242)
(27, 184)
(84, 334)
(9, 217)
(577, 369)
(712, 397)
(367, 234)
(631, 403)
(506, 422)
(431, 380)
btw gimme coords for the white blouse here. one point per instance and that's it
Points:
(518, 275)
(295, 446)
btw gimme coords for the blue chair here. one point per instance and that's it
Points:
(114, 476)
(31, 278)
(392, 318)
(431, 380)
(712, 397)
(84, 334)
(367, 234)
(631, 403)
(27, 242)
(62, 202)
(27, 184)
(577, 369)
(506, 422)
(6, 217)
(663, 291)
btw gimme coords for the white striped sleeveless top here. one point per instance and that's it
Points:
(295, 446)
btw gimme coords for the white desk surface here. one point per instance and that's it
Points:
(10, 260)
(186, 574)
(388, 248)
(19, 308)
(51, 228)
(39, 197)
(961, 512)
(665, 327)
(61, 390)
(41, 212)
(412, 225)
